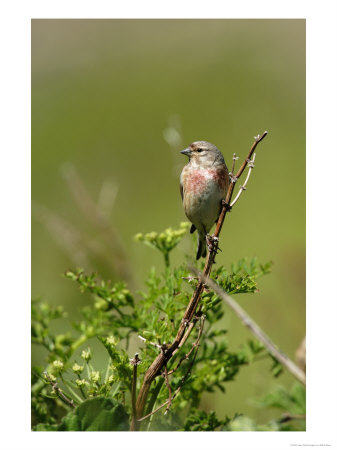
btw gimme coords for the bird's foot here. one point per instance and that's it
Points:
(212, 243)
(228, 206)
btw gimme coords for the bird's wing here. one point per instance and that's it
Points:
(181, 187)
(182, 191)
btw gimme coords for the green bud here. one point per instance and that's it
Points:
(86, 355)
(111, 379)
(151, 236)
(50, 377)
(58, 365)
(101, 304)
(111, 340)
(95, 376)
(77, 368)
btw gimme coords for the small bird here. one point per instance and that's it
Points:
(204, 183)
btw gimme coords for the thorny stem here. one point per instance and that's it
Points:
(161, 360)
(186, 335)
(254, 328)
(187, 374)
(196, 344)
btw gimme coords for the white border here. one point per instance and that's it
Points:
(321, 220)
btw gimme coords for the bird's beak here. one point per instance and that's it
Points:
(186, 152)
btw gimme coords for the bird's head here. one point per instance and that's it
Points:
(203, 153)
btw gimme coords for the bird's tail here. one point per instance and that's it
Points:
(201, 245)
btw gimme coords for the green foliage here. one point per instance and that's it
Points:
(165, 241)
(292, 402)
(241, 279)
(42, 315)
(102, 398)
(120, 362)
(107, 296)
(97, 414)
(201, 421)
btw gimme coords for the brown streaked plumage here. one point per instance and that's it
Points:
(204, 183)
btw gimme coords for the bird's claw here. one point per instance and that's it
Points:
(228, 206)
(212, 243)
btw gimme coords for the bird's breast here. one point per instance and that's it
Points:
(198, 181)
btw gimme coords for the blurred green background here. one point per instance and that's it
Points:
(107, 99)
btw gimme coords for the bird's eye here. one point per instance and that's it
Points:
(199, 150)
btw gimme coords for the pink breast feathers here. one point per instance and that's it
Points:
(197, 180)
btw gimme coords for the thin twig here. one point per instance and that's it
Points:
(195, 347)
(59, 392)
(149, 342)
(281, 357)
(168, 388)
(235, 158)
(243, 187)
(188, 331)
(153, 412)
(134, 362)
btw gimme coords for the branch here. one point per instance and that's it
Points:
(194, 345)
(254, 328)
(243, 187)
(184, 378)
(161, 360)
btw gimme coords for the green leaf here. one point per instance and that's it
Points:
(97, 414)
(202, 421)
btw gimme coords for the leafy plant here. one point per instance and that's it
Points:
(71, 393)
